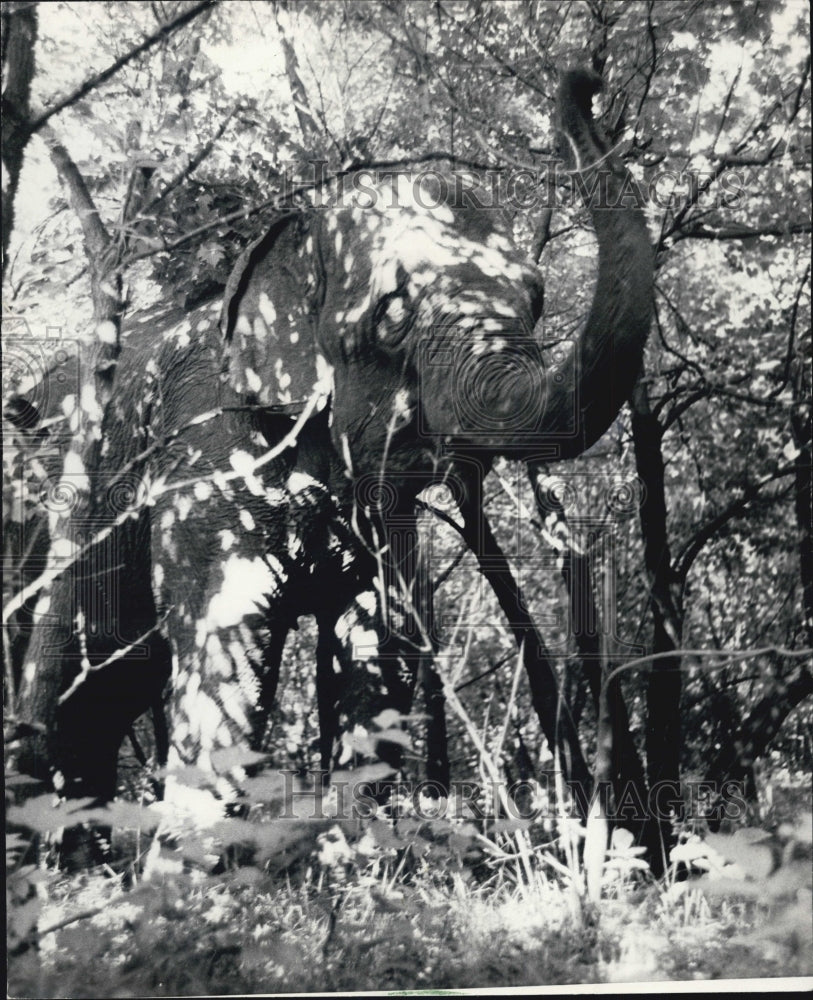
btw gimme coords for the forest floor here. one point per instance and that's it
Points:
(338, 925)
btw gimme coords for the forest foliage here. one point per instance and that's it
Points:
(696, 503)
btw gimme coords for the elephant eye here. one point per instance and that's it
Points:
(391, 319)
(395, 310)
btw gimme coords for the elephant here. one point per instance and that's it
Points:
(394, 329)
(287, 526)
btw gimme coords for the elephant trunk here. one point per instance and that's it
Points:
(583, 396)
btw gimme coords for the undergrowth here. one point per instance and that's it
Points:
(299, 905)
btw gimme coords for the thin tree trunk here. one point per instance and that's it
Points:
(437, 743)
(19, 24)
(308, 126)
(803, 493)
(44, 672)
(737, 756)
(556, 724)
(663, 732)
(626, 767)
(663, 694)
(596, 838)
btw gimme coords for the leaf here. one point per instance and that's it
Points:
(196, 852)
(732, 872)
(14, 841)
(465, 832)
(704, 864)
(127, 815)
(387, 719)
(744, 850)
(510, 825)
(266, 788)
(23, 918)
(368, 774)
(231, 757)
(246, 875)
(461, 839)
(725, 887)
(746, 835)
(622, 839)
(386, 836)
(357, 742)
(629, 852)
(801, 830)
(191, 776)
(20, 884)
(13, 780)
(43, 813)
(691, 851)
(625, 864)
(398, 736)
(212, 253)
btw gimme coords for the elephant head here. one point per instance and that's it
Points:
(414, 306)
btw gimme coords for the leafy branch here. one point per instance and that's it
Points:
(162, 33)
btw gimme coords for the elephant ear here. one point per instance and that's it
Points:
(267, 319)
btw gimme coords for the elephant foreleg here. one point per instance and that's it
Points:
(95, 716)
(386, 642)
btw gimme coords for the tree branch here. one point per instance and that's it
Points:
(19, 39)
(701, 232)
(96, 81)
(692, 549)
(193, 164)
(286, 198)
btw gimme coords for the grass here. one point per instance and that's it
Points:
(361, 905)
(353, 927)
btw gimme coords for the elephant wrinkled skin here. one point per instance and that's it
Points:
(414, 315)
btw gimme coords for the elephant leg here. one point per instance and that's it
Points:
(227, 578)
(385, 639)
(226, 673)
(269, 681)
(437, 742)
(117, 666)
(96, 715)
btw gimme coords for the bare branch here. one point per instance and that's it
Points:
(704, 534)
(741, 232)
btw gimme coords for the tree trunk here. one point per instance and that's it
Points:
(437, 744)
(626, 768)
(556, 724)
(310, 130)
(737, 756)
(19, 23)
(55, 643)
(803, 492)
(663, 732)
